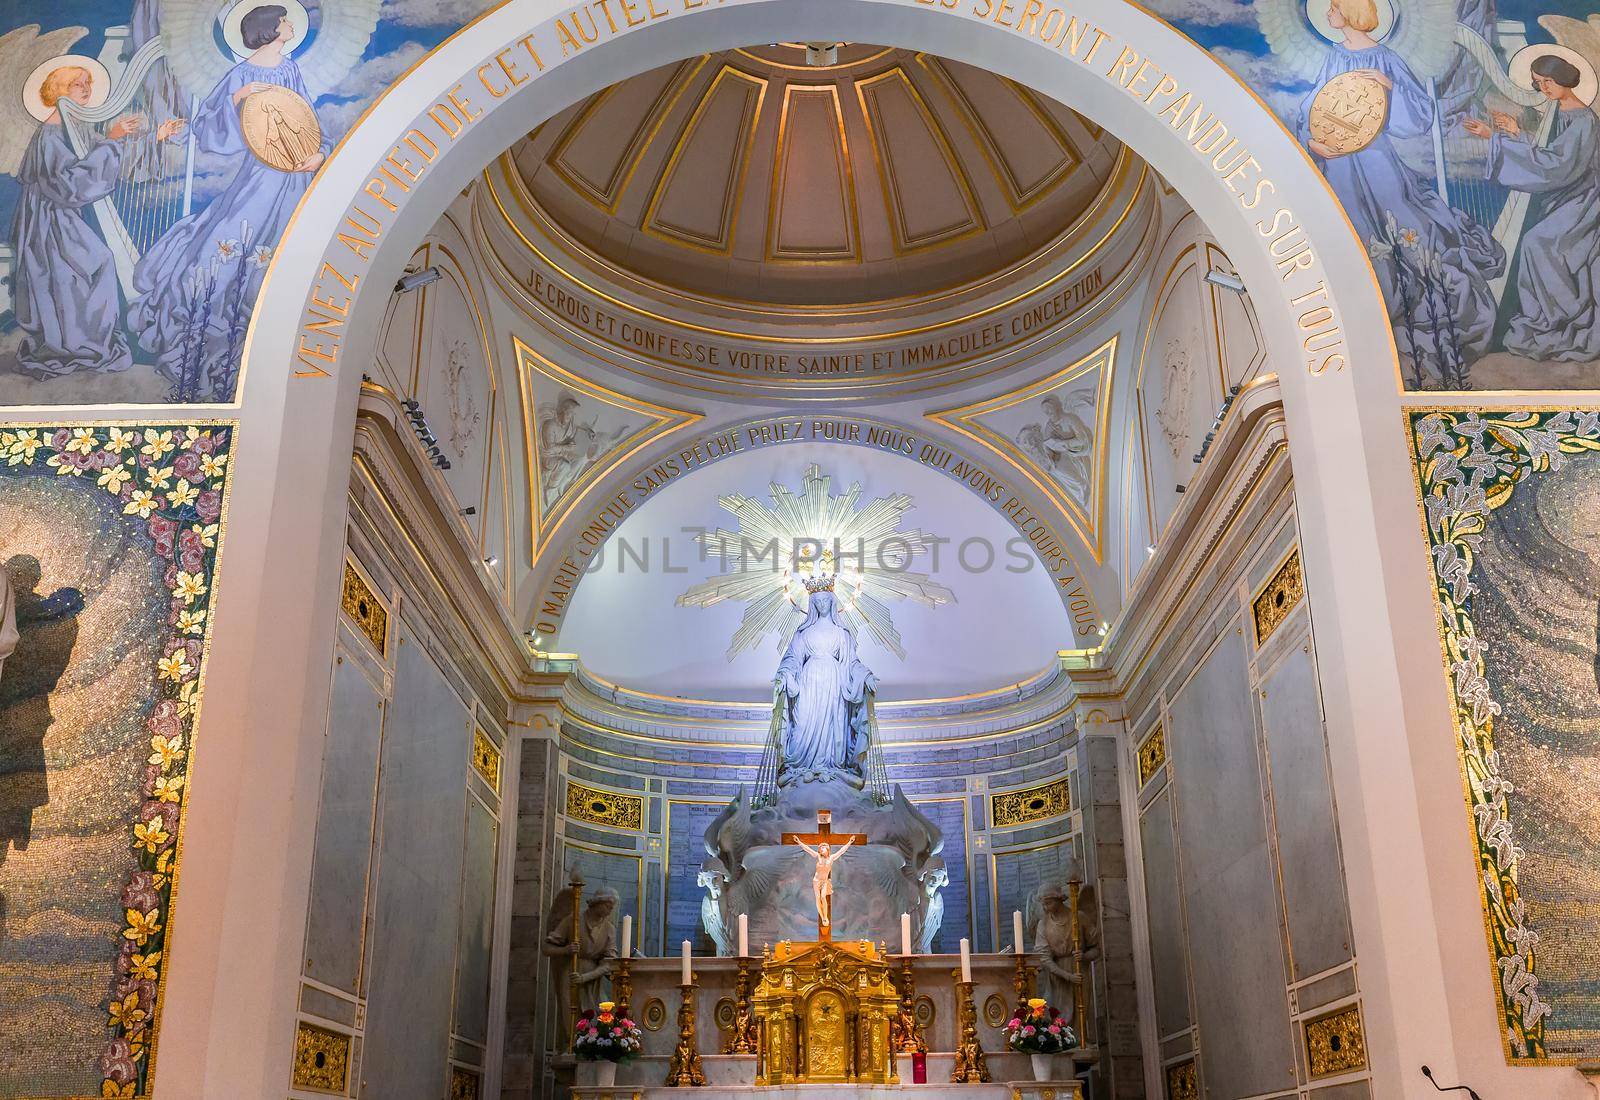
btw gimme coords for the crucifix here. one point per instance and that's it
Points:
(826, 856)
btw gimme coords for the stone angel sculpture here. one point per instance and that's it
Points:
(596, 948)
(1050, 930)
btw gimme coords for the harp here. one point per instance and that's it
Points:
(156, 181)
(1459, 158)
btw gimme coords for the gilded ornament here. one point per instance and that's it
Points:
(1152, 755)
(925, 1012)
(1281, 595)
(622, 811)
(486, 758)
(1183, 1081)
(824, 1012)
(1032, 804)
(365, 609)
(464, 1084)
(280, 128)
(1349, 112)
(321, 1059)
(995, 1009)
(1334, 1043)
(654, 1016)
(724, 1014)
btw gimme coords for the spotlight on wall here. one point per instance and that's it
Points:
(419, 425)
(491, 561)
(820, 55)
(416, 280)
(1227, 280)
(469, 510)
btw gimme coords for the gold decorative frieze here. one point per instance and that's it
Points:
(1183, 1081)
(622, 811)
(1334, 1043)
(1281, 595)
(485, 758)
(1031, 804)
(464, 1084)
(321, 1059)
(358, 601)
(1152, 755)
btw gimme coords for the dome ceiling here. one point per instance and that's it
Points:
(752, 176)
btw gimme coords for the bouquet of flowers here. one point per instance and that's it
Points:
(1039, 1030)
(604, 1036)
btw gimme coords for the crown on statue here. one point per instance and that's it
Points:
(820, 583)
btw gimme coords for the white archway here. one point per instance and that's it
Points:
(232, 988)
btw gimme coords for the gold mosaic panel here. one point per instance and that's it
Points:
(1281, 595)
(622, 811)
(321, 1059)
(365, 609)
(1152, 755)
(464, 1084)
(1183, 1081)
(1334, 1043)
(485, 758)
(1032, 804)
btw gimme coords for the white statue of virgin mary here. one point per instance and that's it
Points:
(823, 694)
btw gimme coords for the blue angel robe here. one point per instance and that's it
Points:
(196, 286)
(68, 305)
(1558, 318)
(1375, 183)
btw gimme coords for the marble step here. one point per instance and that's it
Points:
(729, 1076)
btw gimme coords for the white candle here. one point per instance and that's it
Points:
(1016, 928)
(627, 935)
(687, 953)
(744, 934)
(966, 960)
(905, 933)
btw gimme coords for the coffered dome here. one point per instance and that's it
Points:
(754, 177)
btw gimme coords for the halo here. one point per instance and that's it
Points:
(1521, 67)
(1317, 13)
(99, 82)
(229, 22)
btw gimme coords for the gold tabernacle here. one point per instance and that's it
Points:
(823, 1013)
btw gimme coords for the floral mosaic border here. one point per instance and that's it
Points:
(1468, 462)
(172, 479)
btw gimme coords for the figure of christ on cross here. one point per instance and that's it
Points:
(826, 856)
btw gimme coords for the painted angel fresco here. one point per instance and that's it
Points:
(197, 284)
(65, 291)
(1465, 155)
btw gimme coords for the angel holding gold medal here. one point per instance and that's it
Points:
(196, 286)
(1368, 102)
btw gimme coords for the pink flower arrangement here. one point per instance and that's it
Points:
(1039, 1029)
(606, 1035)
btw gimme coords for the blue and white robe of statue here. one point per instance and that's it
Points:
(1558, 274)
(188, 325)
(1375, 183)
(68, 304)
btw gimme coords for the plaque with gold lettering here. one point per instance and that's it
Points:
(280, 128)
(1349, 112)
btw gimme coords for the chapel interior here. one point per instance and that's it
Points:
(815, 601)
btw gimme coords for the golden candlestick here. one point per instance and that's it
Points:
(743, 1040)
(1078, 998)
(622, 984)
(905, 1037)
(971, 1066)
(1022, 982)
(685, 1070)
(573, 1010)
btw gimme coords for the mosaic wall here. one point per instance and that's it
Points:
(109, 537)
(1510, 503)
(1461, 138)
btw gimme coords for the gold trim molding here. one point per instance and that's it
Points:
(365, 609)
(1030, 804)
(464, 1084)
(1152, 755)
(1280, 596)
(1335, 1044)
(1183, 1081)
(597, 807)
(321, 1059)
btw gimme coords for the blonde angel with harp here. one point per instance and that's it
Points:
(68, 301)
